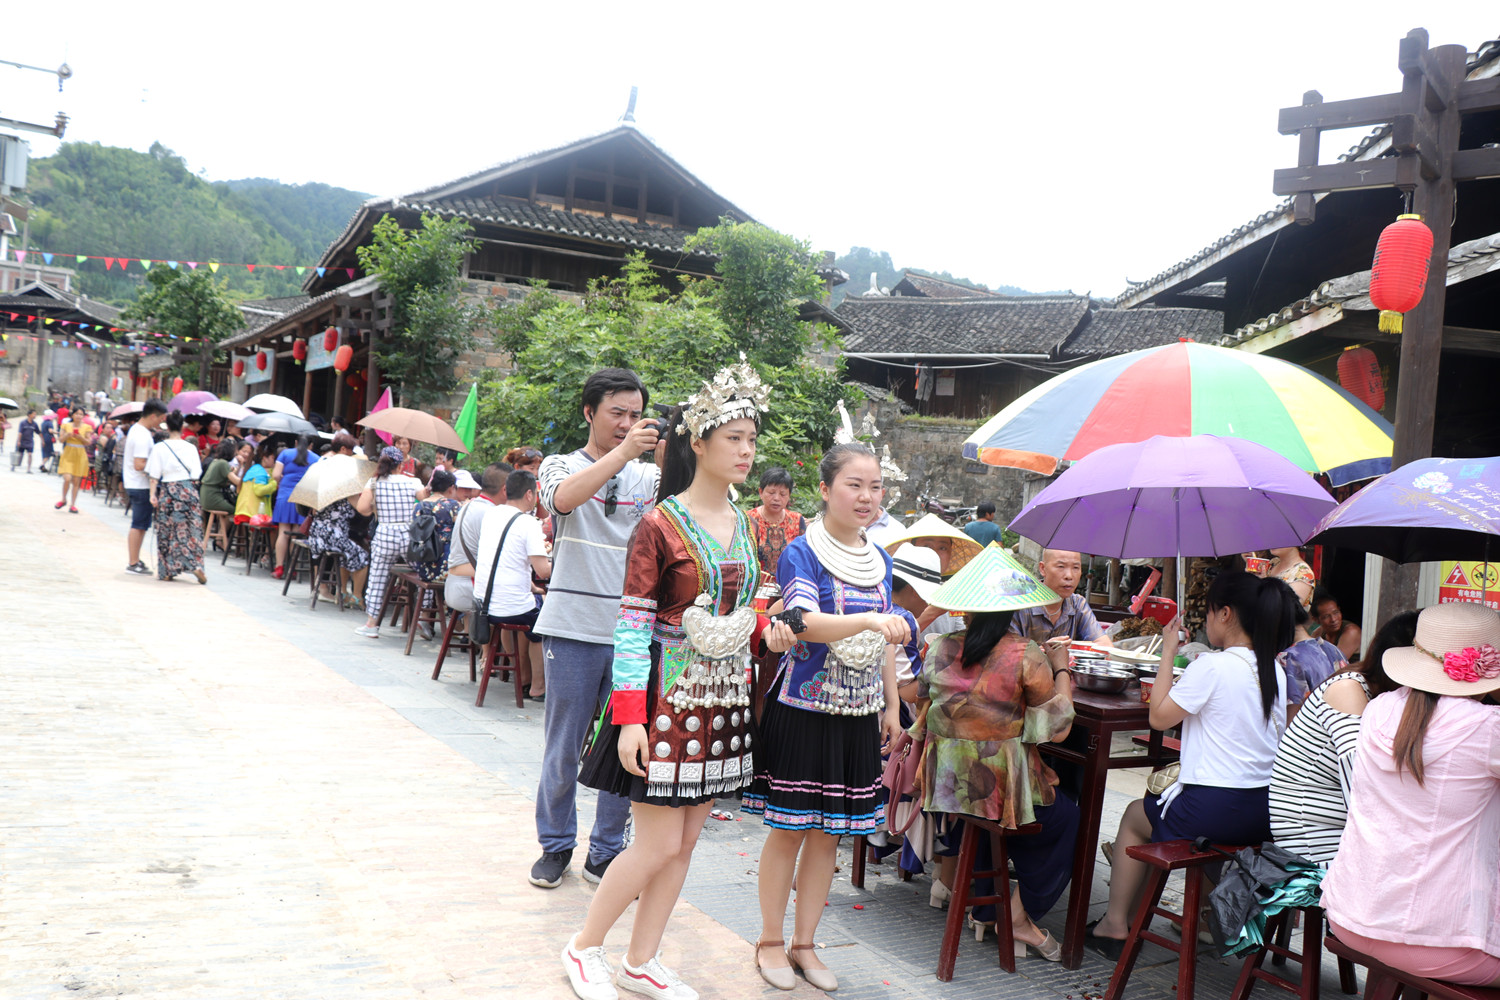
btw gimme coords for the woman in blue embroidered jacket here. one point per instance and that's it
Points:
(676, 732)
(831, 707)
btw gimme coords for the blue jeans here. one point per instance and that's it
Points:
(579, 679)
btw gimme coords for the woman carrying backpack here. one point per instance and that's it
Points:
(392, 498)
(431, 531)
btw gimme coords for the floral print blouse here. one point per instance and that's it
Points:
(982, 726)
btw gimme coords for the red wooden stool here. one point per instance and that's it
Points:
(963, 893)
(457, 633)
(1277, 946)
(1164, 859)
(1385, 983)
(865, 854)
(497, 663)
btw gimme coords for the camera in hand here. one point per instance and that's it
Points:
(792, 618)
(664, 423)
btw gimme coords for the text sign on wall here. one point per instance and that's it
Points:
(317, 358)
(253, 374)
(1470, 582)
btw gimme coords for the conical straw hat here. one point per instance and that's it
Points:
(931, 526)
(993, 581)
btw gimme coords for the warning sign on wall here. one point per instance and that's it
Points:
(1470, 582)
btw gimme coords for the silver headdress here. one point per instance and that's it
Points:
(734, 392)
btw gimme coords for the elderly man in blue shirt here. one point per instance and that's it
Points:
(1071, 617)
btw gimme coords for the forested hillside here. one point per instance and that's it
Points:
(106, 201)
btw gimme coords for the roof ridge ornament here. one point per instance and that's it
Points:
(628, 117)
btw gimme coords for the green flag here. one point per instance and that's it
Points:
(468, 419)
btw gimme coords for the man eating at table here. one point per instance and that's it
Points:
(1068, 618)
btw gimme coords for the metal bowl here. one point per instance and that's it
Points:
(1101, 679)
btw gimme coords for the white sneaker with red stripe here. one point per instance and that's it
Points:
(653, 979)
(588, 972)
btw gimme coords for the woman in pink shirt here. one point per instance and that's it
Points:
(1416, 881)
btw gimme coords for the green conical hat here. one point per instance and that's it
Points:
(993, 581)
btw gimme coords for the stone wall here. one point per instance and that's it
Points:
(930, 452)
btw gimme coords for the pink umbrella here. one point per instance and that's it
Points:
(383, 403)
(191, 403)
(125, 409)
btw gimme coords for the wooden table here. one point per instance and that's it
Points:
(1100, 716)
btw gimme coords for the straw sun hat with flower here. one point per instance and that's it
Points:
(1456, 652)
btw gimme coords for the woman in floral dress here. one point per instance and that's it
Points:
(329, 532)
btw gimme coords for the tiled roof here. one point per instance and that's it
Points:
(913, 326)
(1117, 331)
(1372, 146)
(261, 314)
(525, 215)
(1352, 291)
(936, 288)
(60, 305)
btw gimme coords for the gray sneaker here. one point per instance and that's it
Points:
(140, 569)
(550, 868)
(371, 631)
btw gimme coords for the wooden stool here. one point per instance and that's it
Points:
(497, 662)
(216, 525)
(298, 558)
(1385, 983)
(457, 634)
(1164, 859)
(1277, 945)
(963, 893)
(326, 572)
(865, 854)
(418, 612)
(249, 541)
(397, 595)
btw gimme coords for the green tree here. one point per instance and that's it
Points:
(189, 305)
(431, 324)
(673, 341)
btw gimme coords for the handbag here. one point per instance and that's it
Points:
(900, 775)
(479, 618)
(1163, 778)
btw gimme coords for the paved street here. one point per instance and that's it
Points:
(212, 792)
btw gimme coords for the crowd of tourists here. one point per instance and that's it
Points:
(697, 651)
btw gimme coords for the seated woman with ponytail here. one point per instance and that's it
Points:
(1231, 704)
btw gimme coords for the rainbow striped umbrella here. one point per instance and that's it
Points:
(1184, 389)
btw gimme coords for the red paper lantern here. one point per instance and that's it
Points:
(1359, 374)
(343, 357)
(299, 350)
(176, 385)
(1399, 273)
(260, 360)
(239, 367)
(330, 339)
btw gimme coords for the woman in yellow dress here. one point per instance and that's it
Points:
(76, 436)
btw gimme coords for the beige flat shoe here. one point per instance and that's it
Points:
(782, 979)
(939, 896)
(823, 979)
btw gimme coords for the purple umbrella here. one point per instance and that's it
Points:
(188, 403)
(1428, 510)
(1176, 496)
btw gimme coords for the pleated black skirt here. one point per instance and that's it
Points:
(815, 771)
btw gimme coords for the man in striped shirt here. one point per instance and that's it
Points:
(598, 495)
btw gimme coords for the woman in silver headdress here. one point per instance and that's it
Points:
(831, 706)
(676, 732)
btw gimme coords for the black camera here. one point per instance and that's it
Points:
(664, 423)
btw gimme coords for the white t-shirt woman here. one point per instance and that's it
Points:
(173, 461)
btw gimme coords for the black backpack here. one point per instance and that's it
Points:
(422, 544)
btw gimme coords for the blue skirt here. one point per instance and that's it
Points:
(285, 512)
(1223, 815)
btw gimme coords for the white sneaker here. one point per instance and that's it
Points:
(588, 972)
(653, 980)
(373, 631)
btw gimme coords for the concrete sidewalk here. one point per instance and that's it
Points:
(214, 792)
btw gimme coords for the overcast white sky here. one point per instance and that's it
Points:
(1045, 145)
